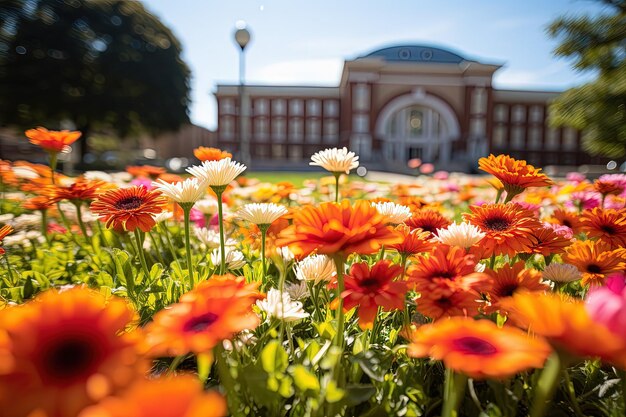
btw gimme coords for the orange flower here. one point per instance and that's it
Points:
(567, 218)
(608, 187)
(66, 350)
(414, 241)
(414, 203)
(335, 228)
(213, 311)
(509, 280)
(478, 348)
(4, 231)
(81, 190)
(370, 288)
(608, 225)
(37, 203)
(566, 324)
(515, 175)
(147, 171)
(50, 140)
(447, 282)
(509, 229)
(428, 220)
(595, 260)
(181, 396)
(129, 208)
(210, 154)
(548, 242)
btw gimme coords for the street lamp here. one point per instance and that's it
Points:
(242, 37)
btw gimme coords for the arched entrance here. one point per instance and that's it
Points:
(417, 125)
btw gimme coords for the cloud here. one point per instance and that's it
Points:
(325, 71)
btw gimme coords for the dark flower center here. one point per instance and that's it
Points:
(474, 345)
(370, 283)
(507, 290)
(497, 223)
(594, 269)
(567, 223)
(70, 359)
(445, 274)
(129, 203)
(200, 323)
(608, 229)
(444, 303)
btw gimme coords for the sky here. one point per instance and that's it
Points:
(297, 42)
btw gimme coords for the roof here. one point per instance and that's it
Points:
(416, 53)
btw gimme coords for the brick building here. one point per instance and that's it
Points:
(395, 104)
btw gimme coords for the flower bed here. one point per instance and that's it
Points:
(142, 293)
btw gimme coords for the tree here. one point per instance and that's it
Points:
(598, 108)
(99, 64)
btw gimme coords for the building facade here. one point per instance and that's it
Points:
(395, 104)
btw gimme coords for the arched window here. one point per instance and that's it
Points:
(415, 122)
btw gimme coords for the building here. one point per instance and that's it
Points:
(395, 104)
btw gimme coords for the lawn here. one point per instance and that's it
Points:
(297, 178)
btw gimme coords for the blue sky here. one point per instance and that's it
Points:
(306, 42)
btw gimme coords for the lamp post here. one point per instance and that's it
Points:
(242, 37)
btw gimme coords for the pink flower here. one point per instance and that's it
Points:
(197, 217)
(530, 206)
(576, 177)
(427, 168)
(441, 175)
(560, 229)
(414, 163)
(607, 304)
(584, 199)
(146, 182)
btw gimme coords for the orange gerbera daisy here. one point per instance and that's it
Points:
(428, 220)
(414, 203)
(448, 302)
(334, 228)
(479, 348)
(595, 259)
(181, 396)
(210, 154)
(608, 187)
(80, 191)
(370, 288)
(515, 175)
(147, 171)
(213, 311)
(40, 203)
(608, 225)
(508, 280)
(129, 208)
(67, 350)
(51, 140)
(548, 242)
(414, 241)
(508, 228)
(566, 324)
(4, 231)
(567, 218)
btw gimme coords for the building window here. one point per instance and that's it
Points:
(536, 114)
(296, 107)
(519, 113)
(227, 105)
(295, 152)
(278, 151)
(570, 141)
(227, 126)
(499, 137)
(534, 138)
(295, 130)
(477, 128)
(360, 122)
(313, 131)
(261, 127)
(313, 108)
(278, 107)
(331, 108)
(260, 107)
(279, 129)
(501, 113)
(552, 138)
(517, 137)
(331, 127)
(361, 97)
(479, 101)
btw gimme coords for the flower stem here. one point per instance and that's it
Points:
(339, 337)
(546, 386)
(219, 190)
(263, 228)
(140, 254)
(572, 394)
(337, 175)
(44, 225)
(79, 216)
(454, 390)
(227, 381)
(187, 212)
(53, 166)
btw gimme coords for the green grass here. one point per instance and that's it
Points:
(296, 178)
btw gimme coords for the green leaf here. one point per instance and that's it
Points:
(305, 380)
(333, 392)
(274, 359)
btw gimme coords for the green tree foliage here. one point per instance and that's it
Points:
(100, 64)
(598, 108)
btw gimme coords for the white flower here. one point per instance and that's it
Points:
(188, 191)
(217, 173)
(234, 258)
(280, 306)
(561, 273)
(162, 216)
(297, 290)
(25, 221)
(24, 172)
(393, 213)
(463, 235)
(211, 238)
(206, 206)
(316, 268)
(244, 338)
(480, 267)
(285, 253)
(98, 176)
(335, 160)
(261, 213)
